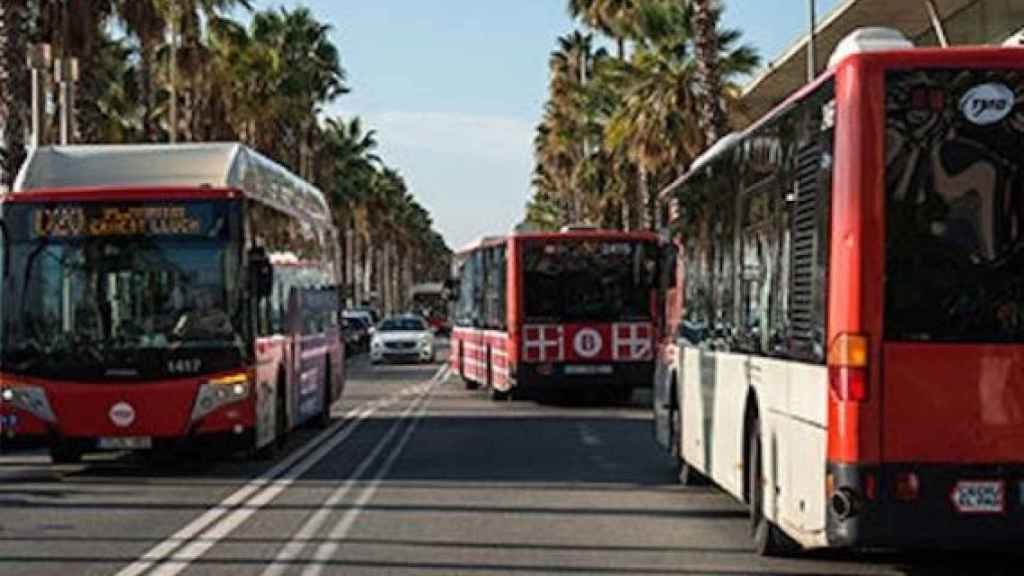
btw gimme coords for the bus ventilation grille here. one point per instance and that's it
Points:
(804, 246)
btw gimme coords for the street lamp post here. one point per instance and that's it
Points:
(67, 75)
(812, 57)
(39, 65)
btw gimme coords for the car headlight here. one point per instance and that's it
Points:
(31, 399)
(220, 391)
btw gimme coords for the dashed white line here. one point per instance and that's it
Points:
(294, 547)
(257, 493)
(328, 549)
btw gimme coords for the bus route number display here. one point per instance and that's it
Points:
(99, 221)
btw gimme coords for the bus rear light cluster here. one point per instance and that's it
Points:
(848, 368)
(31, 399)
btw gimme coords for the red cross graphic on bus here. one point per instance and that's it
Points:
(543, 343)
(631, 341)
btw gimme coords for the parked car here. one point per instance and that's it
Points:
(406, 338)
(358, 331)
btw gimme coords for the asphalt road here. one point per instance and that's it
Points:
(417, 475)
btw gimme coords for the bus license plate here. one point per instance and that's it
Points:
(126, 443)
(587, 369)
(979, 497)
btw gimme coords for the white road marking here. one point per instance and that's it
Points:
(310, 528)
(328, 549)
(249, 494)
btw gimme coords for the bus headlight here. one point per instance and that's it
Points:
(31, 399)
(219, 392)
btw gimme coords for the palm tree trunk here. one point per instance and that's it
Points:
(350, 261)
(173, 113)
(705, 27)
(368, 265)
(146, 92)
(14, 84)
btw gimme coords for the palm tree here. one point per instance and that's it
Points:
(705, 28)
(663, 94)
(183, 20)
(14, 86)
(312, 76)
(144, 20)
(614, 18)
(345, 165)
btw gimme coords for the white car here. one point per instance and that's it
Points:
(406, 338)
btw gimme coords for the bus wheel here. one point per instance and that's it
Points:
(65, 452)
(500, 395)
(271, 449)
(769, 539)
(324, 419)
(686, 474)
(470, 384)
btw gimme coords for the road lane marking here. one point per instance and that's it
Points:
(268, 481)
(328, 549)
(309, 529)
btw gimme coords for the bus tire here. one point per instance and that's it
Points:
(272, 448)
(769, 539)
(500, 395)
(324, 419)
(686, 474)
(65, 452)
(470, 384)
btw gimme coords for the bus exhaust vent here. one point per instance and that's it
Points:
(874, 39)
(804, 249)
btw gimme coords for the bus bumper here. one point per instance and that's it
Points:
(582, 376)
(919, 506)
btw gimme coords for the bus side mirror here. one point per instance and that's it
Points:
(262, 272)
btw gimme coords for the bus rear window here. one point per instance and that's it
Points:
(955, 206)
(588, 280)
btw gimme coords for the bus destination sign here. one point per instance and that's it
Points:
(79, 221)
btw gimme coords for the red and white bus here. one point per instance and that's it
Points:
(159, 294)
(559, 310)
(429, 299)
(848, 335)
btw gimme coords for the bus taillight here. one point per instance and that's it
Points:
(848, 368)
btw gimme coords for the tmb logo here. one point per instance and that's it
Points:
(122, 414)
(987, 103)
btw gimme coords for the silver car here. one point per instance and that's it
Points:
(403, 338)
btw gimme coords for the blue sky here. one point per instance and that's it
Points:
(454, 89)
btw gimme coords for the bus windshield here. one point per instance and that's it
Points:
(588, 280)
(119, 292)
(955, 206)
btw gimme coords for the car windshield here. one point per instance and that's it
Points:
(83, 301)
(402, 325)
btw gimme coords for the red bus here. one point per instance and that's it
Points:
(430, 301)
(848, 355)
(560, 310)
(146, 301)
